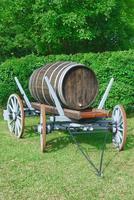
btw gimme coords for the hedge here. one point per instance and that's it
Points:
(119, 65)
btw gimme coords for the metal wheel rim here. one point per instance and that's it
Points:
(16, 115)
(119, 127)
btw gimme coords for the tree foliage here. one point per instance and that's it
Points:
(64, 26)
(119, 65)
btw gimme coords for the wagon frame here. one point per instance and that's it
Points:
(67, 119)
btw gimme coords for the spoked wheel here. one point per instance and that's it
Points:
(16, 115)
(119, 127)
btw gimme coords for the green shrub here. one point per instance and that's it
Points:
(119, 65)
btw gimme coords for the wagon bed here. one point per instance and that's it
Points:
(74, 114)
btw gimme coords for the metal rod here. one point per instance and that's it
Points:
(102, 156)
(54, 96)
(84, 154)
(99, 170)
(106, 93)
(23, 94)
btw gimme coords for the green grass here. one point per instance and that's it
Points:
(62, 172)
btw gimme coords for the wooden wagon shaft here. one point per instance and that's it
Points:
(74, 114)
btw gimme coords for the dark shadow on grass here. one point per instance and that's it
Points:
(30, 132)
(95, 141)
(91, 143)
(57, 143)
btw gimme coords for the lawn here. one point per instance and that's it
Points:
(62, 172)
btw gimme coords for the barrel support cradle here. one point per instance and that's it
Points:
(60, 110)
(23, 94)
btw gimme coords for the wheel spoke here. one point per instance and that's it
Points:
(11, 121)
(10, 107)
(114, 112)
(117, 138)
(116, 115)
(119, 135)
(114, 118)
(120, 129)
(19, 118)
(16, 133)
(16, 104)
(17, 127)
(12, 126)
(18, 113)
(19, 123)
(120, 123)
(12, 102)
(119, 117)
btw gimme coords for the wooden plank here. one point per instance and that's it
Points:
(74, 114)
(94, 114)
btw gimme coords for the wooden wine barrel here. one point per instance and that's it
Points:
(76, 85)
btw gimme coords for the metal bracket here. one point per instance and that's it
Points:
(54, 96)
(23, 94)
(106, 93)
(60, 119)
(61, 116)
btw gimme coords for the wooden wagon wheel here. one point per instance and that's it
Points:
(43, 128)
(16, 115)
(119, 127)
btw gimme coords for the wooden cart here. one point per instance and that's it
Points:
(66, 119)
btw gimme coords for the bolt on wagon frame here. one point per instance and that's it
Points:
(66, 119)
